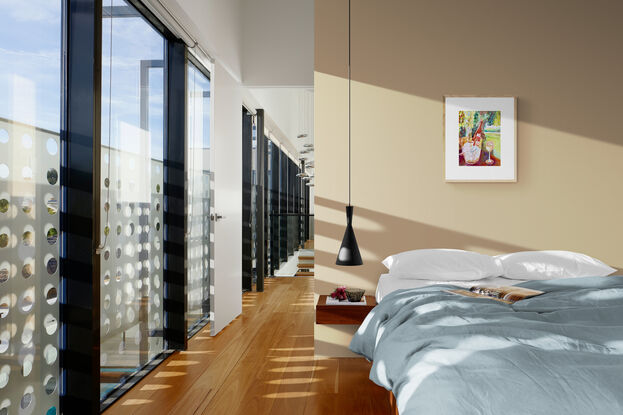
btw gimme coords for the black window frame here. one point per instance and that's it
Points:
(80, 224)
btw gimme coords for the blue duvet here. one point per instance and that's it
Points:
(444, 354)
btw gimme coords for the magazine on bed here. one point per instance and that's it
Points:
(506, 294)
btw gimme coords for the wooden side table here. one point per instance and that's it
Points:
(343, 314)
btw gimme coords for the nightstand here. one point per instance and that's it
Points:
(343, 314)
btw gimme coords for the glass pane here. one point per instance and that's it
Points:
(283, 208)
(198, 173)
(254, 190)
(132, 203)
(268, 203)
(275, 196)
(30, 98)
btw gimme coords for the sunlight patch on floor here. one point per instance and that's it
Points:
(155, 387)
(197, 352)
(291, 349)
(182, 363)
(289, 395)
(134, 402)
(293, 381)
(169, 374)
(286, 359)
(297, 369)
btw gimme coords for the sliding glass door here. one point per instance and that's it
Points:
(247, 197)
(30, 120)
(271, 209)
(199, 197)
(254, 199)
(139, 150)
(253, 176)
(132, 142)
(274, 206)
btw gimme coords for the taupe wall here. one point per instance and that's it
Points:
(561, 59)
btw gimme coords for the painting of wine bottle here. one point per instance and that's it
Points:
(479, 138)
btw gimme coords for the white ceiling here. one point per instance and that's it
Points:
(278, 64)
(292, 109)
(263, 43)
(268, 45)
(278, 43)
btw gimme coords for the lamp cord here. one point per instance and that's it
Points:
(349, 99)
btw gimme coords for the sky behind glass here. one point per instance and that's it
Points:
(30, 40)
(30, 72)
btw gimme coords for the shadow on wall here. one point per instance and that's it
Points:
(393, 234)
(559, 60)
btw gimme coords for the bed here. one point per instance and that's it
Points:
(557, 353)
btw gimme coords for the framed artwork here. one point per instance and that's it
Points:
(480, 139)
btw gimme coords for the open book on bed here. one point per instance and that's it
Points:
(507, 294)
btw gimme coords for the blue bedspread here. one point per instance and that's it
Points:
(444, 354)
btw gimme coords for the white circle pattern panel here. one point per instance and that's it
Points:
(128, 309)
(29, 277)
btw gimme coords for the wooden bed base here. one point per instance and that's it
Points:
(392, 404)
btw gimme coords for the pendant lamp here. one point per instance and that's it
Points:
(349, 255)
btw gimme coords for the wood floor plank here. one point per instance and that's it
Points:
(262, 364)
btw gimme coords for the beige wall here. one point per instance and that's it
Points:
(563, 62)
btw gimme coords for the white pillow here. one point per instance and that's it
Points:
(546, 265)
(442, 264)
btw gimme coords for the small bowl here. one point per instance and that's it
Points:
(354, 294)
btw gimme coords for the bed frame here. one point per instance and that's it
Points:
(392, 404)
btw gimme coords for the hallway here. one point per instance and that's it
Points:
(262, 363)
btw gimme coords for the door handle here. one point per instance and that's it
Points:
(216, 217)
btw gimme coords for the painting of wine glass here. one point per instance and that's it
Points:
(480, 138)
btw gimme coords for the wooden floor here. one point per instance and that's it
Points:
(262, 363)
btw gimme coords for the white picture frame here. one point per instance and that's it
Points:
(480, 134)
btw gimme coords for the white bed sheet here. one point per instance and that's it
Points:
(388, 283)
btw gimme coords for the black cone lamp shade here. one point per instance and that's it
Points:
(348, 254)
